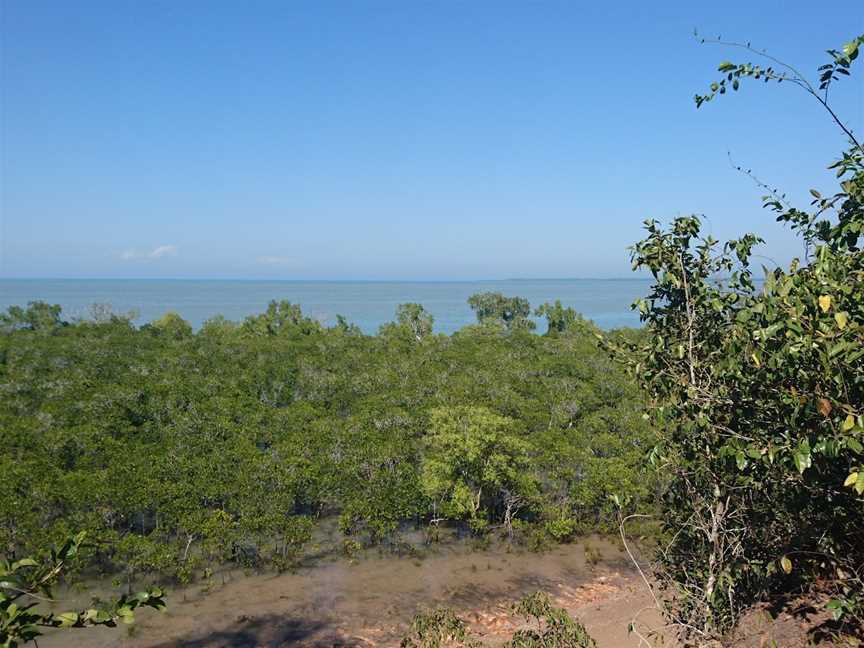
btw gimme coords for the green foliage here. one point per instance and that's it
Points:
(218, 328)
(345, 327)
(281, 318)
(555, 628)
(416, 319)
(734, 73)
(512, 313)
(185, 452)
(757, 391)
(438, 628)
(476, 466)
(27, 582)
(562, 529)
(293, 533)
(560, 319)
(172, 325)
(38, 316)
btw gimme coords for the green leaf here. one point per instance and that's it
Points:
(837, 349)
(24, 562)
(786, 564)
(67, 619)
(836, 608)
(802, 461)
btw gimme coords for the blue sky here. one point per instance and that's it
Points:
(393, 140)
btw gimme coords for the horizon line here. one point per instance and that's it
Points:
(271, 279)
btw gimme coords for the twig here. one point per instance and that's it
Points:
(633, 559)
(799, 80)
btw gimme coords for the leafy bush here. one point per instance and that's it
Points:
(26, 583)
(476, 466)
(555, 628)
(562, 529)
(757, 391)
(548, 627)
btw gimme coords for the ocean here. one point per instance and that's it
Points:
(367, 304)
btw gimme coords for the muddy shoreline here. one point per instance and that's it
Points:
(370, 602)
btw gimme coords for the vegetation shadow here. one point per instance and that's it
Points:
(270, 631)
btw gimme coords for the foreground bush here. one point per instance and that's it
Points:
(25, 588)
(547, 626)
(758, 393)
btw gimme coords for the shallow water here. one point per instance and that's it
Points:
(365, 303)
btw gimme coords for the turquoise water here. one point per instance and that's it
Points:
(365, 303)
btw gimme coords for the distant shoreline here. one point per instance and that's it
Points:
(366, 303)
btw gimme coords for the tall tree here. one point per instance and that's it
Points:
(513, 313)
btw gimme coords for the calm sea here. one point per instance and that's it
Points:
(365, 303)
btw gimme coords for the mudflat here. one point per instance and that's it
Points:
(371, 602)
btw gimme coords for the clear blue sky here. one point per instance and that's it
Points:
(367, 139)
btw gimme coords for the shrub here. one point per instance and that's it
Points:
(757, 392)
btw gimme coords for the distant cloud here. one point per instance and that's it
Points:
(275, 260)
(163, 250)
(156, 253)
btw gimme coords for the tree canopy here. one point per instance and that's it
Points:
(513, 313)
(181, 451)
